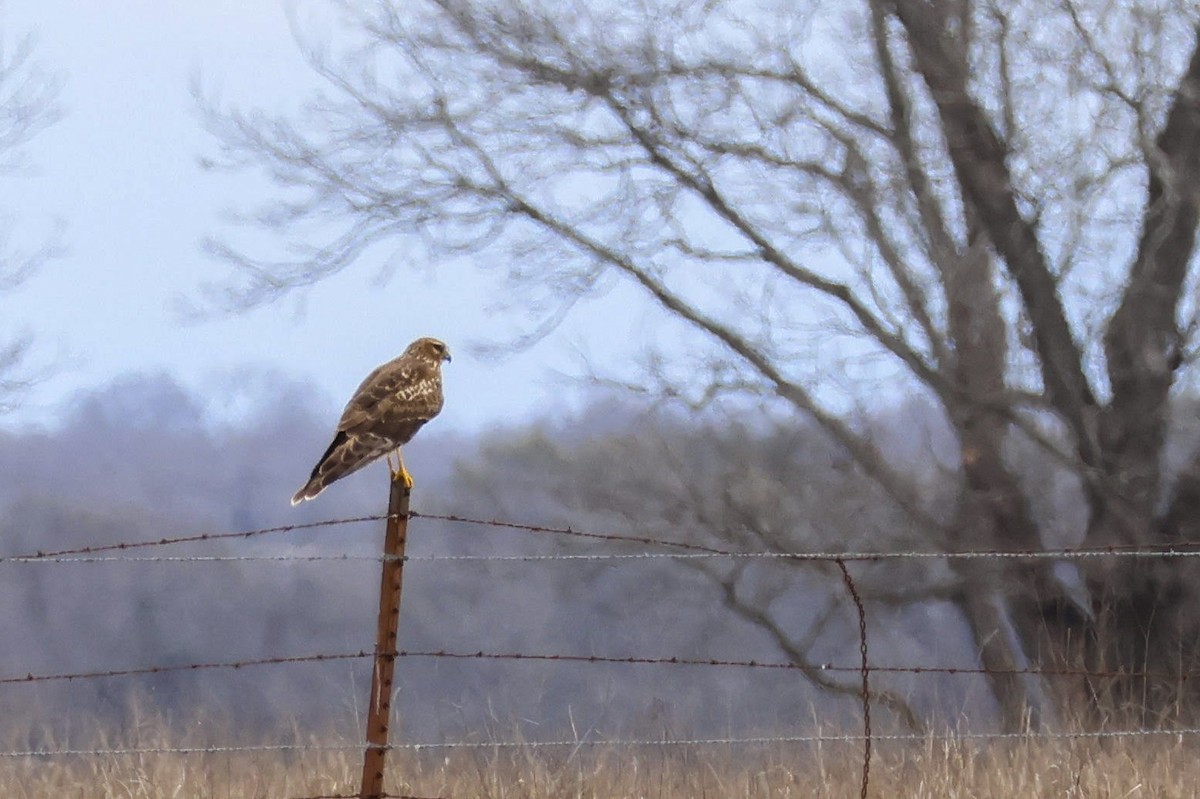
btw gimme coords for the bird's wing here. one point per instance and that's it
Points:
(347, 454)
(388, 390)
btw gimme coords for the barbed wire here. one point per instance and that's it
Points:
(88, 553)
(865, 668)
(185, 539)
(288, 528)
(636, 660)
(1179, 548)
(358, 796)
(566, 531)
(116, 553)
(829, 557)
(789, 666)
(961, 737)
(178, 667)
(85, 559)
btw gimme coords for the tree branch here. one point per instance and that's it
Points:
(979, 159)
(1142, 343)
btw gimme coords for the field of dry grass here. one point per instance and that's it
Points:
(1156, 767)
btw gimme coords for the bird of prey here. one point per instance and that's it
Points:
(385, 413)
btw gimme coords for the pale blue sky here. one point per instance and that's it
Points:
(121, 171)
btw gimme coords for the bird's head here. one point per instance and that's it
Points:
(430, 349)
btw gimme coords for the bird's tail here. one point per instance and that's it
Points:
(345, 455)
(308, 491)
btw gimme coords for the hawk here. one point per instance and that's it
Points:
(385, 413)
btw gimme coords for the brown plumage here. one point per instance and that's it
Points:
(385, 413)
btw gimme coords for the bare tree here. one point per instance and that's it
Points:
(991, 203)
(28, 105)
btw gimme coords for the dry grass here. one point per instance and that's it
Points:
(1158, 767)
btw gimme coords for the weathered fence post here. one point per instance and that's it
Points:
(379, 711)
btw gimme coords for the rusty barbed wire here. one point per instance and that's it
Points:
(636, 660)
(815, 557)
(178, 667)
(566, 531)
(185, 539)
(1179, 548)
(865, 667)
(82, 554)
(788, 666)
(294, 558)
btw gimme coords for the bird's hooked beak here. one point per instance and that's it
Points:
(447, 357)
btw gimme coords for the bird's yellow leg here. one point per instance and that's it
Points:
(401, 473)
(391, 467)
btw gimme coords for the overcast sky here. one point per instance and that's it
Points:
(121, 171)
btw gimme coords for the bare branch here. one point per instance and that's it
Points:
(1142, 340)
(979, 158)
(28, 105)
(761, 618)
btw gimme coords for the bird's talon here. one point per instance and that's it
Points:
(404, 477)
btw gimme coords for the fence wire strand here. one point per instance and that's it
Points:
(864, 665)
(822, 557)
(635, 660)
(184, 539)
(86, 554)
(358, 796)
(617, 743)
(178, 667)
(111, 553)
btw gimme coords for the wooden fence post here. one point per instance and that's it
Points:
(379, 711)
